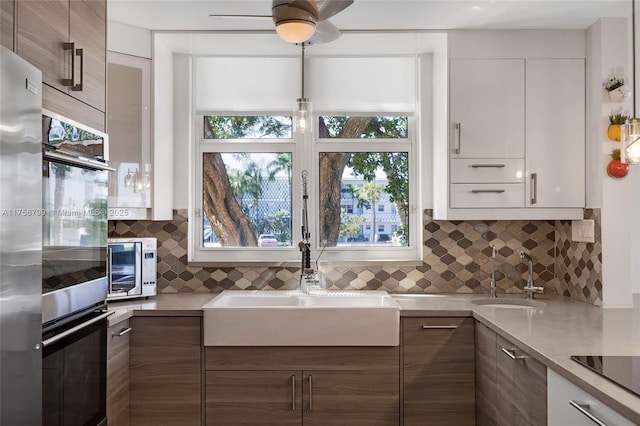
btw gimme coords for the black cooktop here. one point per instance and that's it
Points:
(622, 370)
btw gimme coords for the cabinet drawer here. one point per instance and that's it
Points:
(502, 170)
(487, 195)
(560, 391)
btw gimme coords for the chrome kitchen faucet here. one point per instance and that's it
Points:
(529, 288)
(492, 289)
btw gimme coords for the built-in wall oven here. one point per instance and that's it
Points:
(75, 180)
(74, 371)
(74, 197)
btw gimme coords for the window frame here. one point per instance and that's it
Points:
(305, 150)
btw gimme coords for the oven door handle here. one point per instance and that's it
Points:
(75, 161)
(75, 329)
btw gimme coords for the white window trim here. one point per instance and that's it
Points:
(307, 148)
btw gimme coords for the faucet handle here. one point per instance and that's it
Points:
(533, 289)
(526, 256)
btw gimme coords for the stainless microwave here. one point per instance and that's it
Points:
(132, 267)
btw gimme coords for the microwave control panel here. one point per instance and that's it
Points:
(149, 266)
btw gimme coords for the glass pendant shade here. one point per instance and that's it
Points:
(302, 116)
(295, 31)
(630, 137)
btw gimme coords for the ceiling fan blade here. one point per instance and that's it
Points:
(239, 16)
(328, 8)
(308, 6)
(325, 33)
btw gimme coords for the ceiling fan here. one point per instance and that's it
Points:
(299, 21)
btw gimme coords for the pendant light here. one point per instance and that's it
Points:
(630, 132)
(303, 110)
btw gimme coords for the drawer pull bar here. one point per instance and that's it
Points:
(123, 332)
(534, 188)
(69, 82)
(458, 146)
(488, 166)
(584, 409)
(487, 191)
(79, 86)
(310, 392)
(511, 353)
(293, 393)
(439, 327)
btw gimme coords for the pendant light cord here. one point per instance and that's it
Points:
(633, 53)
(302, 66)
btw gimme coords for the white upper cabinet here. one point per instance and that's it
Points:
(555, 132)
(487, 108)
(516, 128)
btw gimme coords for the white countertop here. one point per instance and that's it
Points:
(550, 334)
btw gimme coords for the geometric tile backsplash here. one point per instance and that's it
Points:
(457, 259)
(579, 265)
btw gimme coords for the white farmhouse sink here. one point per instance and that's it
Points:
(273, 318)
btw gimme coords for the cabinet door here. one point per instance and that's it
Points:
(522, 387)
(42, 28)
(6, 23)
(486, 414)
(438, 371)
(351, 397)
(87, 29)
(118, 374)
(253, 398)
(555, 135)
(166, 371)
(129, 128)
(486, 108)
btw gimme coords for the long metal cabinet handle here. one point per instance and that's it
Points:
(439, 327)
(75, 329)
(511, 353)
(70, 81)
(458, 146)
(78, 87)
(123, 332)
(293, 393)
(109, 254)
(74, 161)
(534, 188)
(310, 392)
(487, 191)
(584, 409)
(488, 166)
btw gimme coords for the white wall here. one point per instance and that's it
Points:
(163, 136)
(608, 50)
(127, 39)
(277, 78)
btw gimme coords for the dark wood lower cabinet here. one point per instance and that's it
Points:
(166, 371)
(521, 387)
(253, 397)
(118, 374)
(486, 414)
(346, 386)
(511, 386)
(438, 371)
(354, 398)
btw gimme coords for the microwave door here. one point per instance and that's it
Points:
(126, 269)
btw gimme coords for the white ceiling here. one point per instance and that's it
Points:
(375, 14)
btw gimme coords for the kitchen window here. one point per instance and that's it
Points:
(248, 185)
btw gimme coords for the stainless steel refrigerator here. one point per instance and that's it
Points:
(20, 241)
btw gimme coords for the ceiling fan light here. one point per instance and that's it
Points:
(295, 30)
